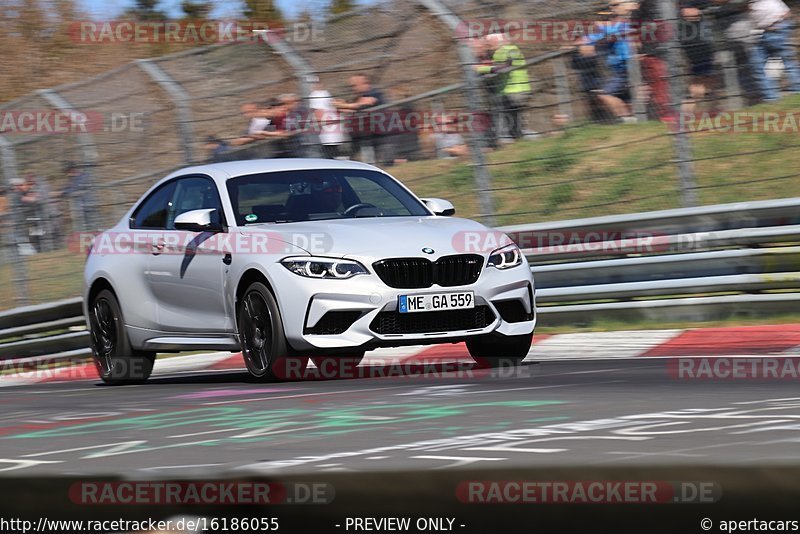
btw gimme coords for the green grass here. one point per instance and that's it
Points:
(51, 276)
(594, 170)
(590, 170)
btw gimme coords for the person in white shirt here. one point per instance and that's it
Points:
(259, 122)
(327, 119)
(774, 19)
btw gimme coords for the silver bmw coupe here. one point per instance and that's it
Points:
(286, 260)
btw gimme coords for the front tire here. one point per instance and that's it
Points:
(265, 350)
(497, 350)
(116, 361)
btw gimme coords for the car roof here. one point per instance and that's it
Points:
(233, 169)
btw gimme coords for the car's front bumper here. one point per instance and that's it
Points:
(305, 302)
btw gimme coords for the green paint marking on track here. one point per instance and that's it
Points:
(308, 422)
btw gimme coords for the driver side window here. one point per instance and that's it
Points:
(153, 212)
(369, 192)
(193, 193)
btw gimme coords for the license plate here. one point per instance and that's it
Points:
(436, 302)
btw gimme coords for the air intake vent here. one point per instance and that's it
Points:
(388, 323)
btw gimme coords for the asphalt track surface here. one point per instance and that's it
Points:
(554, 413)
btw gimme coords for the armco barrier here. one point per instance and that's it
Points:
(710, 262)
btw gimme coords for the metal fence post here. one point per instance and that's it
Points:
(635, 80)
(302, 71)
(181, 100)
(20, 272)
(88, 217)
(680, 139)
(476, 142)
(562, 88)
(733, 89)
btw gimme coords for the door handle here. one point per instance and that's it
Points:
(227, 259)
(158, 246)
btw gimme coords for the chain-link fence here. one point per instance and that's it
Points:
(586, 108)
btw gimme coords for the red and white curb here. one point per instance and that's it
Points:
(773, 340)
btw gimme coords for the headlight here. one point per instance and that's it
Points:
(506, 257)
(324, 268)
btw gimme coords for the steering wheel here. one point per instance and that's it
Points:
(351, 211)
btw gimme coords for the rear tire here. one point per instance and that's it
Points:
(497, 350)
(116, 361)
(265, 350)
(337, 366)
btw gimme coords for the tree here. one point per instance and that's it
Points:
(196, 10)
(30, 20)
(262, 11)
(341, 6)
(146, 10)
(305, 17)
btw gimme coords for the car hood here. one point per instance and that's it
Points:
(370, 239)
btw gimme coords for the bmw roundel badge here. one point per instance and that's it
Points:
(428, 250)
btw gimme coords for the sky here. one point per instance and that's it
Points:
(108, 9)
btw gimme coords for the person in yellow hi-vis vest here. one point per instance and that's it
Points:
(512, 86)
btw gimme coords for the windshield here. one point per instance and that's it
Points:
(316, 195)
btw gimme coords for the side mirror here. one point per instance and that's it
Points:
(440, 206)
(205, 220)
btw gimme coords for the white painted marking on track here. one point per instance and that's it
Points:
(593, 345)
(192, 362)
(300, 395)
(458, 461)
(114, 446)
(205, 433)
(166, 467)
(477, 392)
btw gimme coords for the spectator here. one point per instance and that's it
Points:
(614, 40)
(404, 144)
(3, 205)
(731, 20)
(329, 123)
(491, 84)
(647, 18)
(512, 83)
(449, 142)
(216, 148)
(587, 64)
(366, 96)
(774, 19)
(698, 46)
(290, 122)
(77, 191)
(34, 212)
(259, 117)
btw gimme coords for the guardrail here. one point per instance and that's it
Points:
(685, 264)
(56, 329)
(690, 264)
